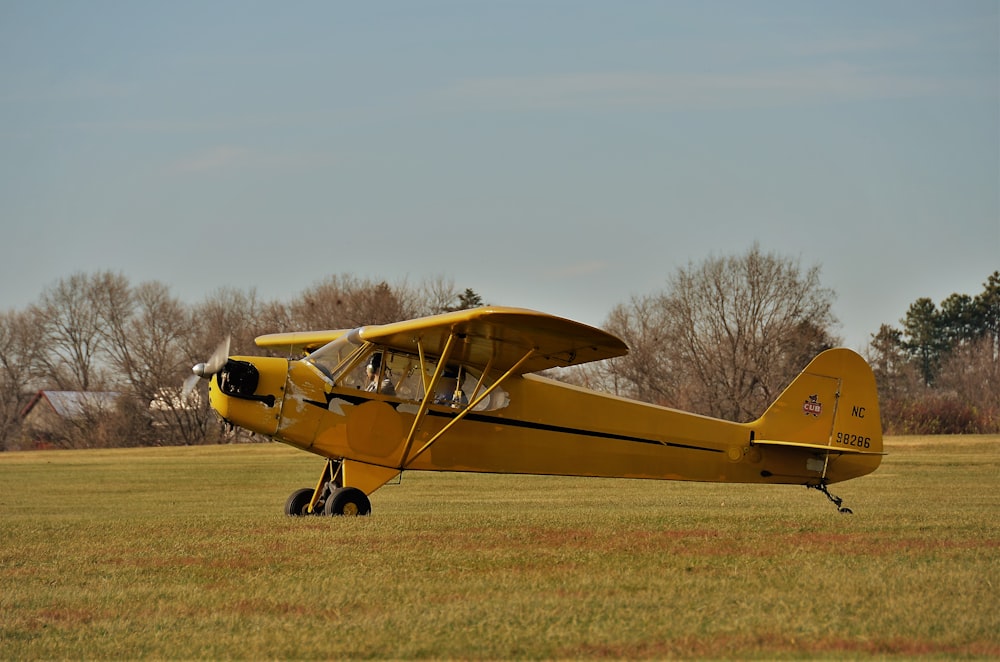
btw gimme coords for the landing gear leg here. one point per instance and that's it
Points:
(837, 501)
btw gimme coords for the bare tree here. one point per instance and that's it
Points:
(327, 304)
(226, 312)
(971, 372)
(69, 320)
(146, 332)
(111, 296)
(745, 325)
(275, 317)
(343, 302)
(435, 295)
(380, 303)
(727, 335)
(645, 373)
(92, 423)
(20, 349)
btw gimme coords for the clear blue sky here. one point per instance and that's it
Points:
(556, 155)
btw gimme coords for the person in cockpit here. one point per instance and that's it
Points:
(376, 380)
(448, 391)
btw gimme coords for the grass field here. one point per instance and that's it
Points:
(185, 553)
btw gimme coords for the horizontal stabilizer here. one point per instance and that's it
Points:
(815, 448)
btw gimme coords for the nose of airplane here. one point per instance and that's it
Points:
(247, 391)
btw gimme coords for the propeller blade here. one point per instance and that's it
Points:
(189, 385)
(218, 358)
(215, 362)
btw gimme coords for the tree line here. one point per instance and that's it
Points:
(726, 335)
(98, 333)
(723, 338)
(939, 371)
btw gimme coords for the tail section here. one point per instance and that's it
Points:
(825, 427)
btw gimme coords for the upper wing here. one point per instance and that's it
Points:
(500, 337)
(298, 342)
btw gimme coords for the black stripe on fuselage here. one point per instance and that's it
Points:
(530, 425)
(545, 427)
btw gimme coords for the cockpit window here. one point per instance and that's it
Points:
(458, 386)
(373, 371)
(399, 375)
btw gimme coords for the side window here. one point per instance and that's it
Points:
(355, 375)
(398, 375)
(403, 371)
(372, 372)
(459, 386)
(497, 399)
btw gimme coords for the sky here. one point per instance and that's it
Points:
(560, 155)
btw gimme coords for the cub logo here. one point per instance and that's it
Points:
(812, 406)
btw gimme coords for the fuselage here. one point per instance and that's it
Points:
(532, 425)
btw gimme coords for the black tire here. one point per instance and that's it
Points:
(298, 502)
(348, 502)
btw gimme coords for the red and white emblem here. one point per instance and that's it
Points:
(812, 406)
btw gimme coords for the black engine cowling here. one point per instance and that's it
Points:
(239, 379)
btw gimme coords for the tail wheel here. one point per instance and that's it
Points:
(348, 502)
(298, 502)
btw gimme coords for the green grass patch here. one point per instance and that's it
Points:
(184, 553)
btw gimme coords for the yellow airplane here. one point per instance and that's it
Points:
(455, 392)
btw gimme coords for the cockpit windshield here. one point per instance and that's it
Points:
(328, 358)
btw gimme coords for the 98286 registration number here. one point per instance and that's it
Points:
(856, 440)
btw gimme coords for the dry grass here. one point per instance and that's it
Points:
(184, 553)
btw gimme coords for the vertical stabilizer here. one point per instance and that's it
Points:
(830, 415)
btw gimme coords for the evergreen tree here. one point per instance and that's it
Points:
(960, 320)
(987, 307)
(887, 358)
(925, 341)
(466, 300)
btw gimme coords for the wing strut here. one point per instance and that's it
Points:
(479, 398)
(428, 393)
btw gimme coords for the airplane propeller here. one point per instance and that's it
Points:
(205, 370)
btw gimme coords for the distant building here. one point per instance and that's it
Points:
(175, 398)
(44, 418)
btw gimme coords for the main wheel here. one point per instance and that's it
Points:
(298, 502)
(348, 502)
